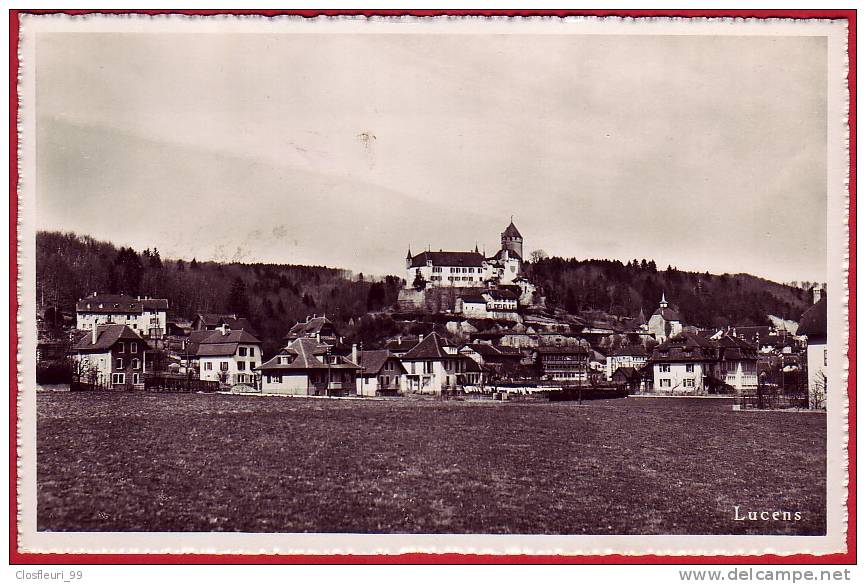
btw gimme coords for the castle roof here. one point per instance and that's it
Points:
(448, 258)
(511, 231)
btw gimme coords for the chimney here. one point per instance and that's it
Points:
(224, 328)
(318, 337)
(420, 337)
(355, 353)
(816, 294)
(94, 334)
(94, 294)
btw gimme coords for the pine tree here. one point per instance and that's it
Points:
(237, 301)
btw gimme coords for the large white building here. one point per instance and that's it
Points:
(230, 357)
(146, 316)
(467, 268)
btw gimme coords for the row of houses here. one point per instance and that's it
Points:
(225, 349)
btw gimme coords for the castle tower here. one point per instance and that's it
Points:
(512, 241)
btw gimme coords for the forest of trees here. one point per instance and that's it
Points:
(273, 297)
(703, 299)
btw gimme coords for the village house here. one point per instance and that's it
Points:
(628, 378)
(562, 363)
(634, 356)
(146, 316)
(683, 364)
(230, 357)
(813, 325)
(307, 367)
(110, 356)
(736, 363)
(665, 322)
(468, 268)
(401, 346)
(381, 372)
(500, 362)
(433, 366)
(314, 327)
(212, 321)
(492, 304)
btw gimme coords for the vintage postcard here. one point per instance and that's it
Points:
(551, 286)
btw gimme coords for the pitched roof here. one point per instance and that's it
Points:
(511, 231)
(473, 298)
(685, 347)
(502, 294)
(304, 353)
(213, 318)
(669, 313)
(194, 340)
(218, 344)
(107, 336)
(373, 361)
(732, 348)
(499, 255)
(629, 350)
(401, 345)
(448, 258)
(431, 347)
(119, 304)
(562, 350)
(309, 327)
(813, 323)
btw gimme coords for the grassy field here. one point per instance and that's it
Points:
(144, 462)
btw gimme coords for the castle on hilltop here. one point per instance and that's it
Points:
(468, 268)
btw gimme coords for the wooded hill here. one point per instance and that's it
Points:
(274, 296)
(703, 299)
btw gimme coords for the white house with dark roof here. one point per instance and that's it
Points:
(629, 356)
(433, 366)
(381, 372)
(307, 367)
(146, 316)
(111, 355)
(230, 357)
(495, 304)
(813, 325)
(468, 268)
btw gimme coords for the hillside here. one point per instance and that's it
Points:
(274, 297)
(703, 299)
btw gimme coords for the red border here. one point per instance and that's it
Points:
(849, 557)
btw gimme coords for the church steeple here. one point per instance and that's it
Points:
(663, 303)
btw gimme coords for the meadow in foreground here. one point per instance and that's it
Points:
(179, 462)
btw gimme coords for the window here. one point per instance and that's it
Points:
(133, 347)
(224, 365)
(665, 368)
(118, 364)
(121, 347)
(688, 382)
(208, 366)
(118, 378)
(665, 383)
(136, 378)
(242, 351)
(136, 364)
(252, 351)
(242, 366)
(428, 366)
(690, 368)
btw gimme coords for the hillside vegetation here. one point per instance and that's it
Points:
(703, 299)
(274, 296)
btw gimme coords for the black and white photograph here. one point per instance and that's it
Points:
(464, 284)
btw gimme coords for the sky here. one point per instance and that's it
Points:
(703, 152)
